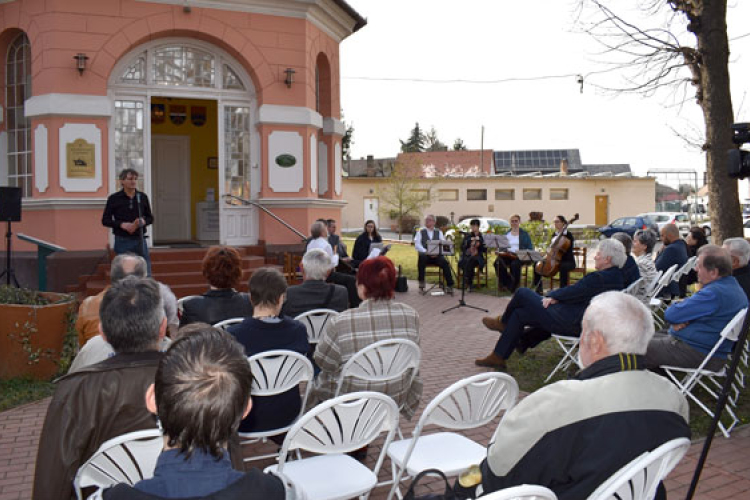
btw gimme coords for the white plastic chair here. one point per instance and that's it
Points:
(654, 302)
(522, 492)
(687, 378)
(334, 428)
(382, 362)
(275, 372)
(316, 321)
(569, 346)
(686, 268)
(181, 306)
(125, 459)
(223, 325)
(467, 404)
(633, 287)
(649, 292)
(639, 479)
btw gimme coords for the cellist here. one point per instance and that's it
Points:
(567, 261)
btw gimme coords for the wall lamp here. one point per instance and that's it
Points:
(81, 59)
(289, 77)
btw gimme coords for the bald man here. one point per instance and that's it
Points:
(674, 252)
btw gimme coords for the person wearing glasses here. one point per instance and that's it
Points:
(508, 265)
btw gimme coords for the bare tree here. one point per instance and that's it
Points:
(405, 194)
(688, 47)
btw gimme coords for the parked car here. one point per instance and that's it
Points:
(486, 224)
(663, 218)
(627, 225)
(706, 225)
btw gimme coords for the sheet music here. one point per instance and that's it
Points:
(529, 255)
(434, 247)
(498, 241)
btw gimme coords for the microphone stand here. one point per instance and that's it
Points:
(461, 301)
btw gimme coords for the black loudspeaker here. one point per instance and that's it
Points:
(10, 204)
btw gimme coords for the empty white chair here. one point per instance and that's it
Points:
(639, 479)
(687, 378)
(316, 322)
(523, 492)
(223, 325)
(333, 428)
(569, 346)
(275, 372)
(124, 459)
(469, 403)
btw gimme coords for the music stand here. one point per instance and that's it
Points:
(438, 248)
(10, 211)
(461, 301)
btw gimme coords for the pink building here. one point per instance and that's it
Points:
(235, 97)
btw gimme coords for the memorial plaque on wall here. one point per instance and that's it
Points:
(80, 159)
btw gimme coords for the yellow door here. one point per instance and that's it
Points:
(602, 210)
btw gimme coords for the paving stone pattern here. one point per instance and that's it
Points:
(450, 343)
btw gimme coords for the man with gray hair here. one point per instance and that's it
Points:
(739, 251)
(314, 292)
(105, 400)
(530, 319)
(697, 321)
(572, 435)
(630, 271)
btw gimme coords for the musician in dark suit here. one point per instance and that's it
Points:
(314, 292)
(561, 311)
(567, 261)
(472, 253)
(507, 265)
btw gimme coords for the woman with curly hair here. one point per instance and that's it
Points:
(222, 268)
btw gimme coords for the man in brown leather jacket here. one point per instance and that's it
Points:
(104, 400)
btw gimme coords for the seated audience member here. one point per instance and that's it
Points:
(739, 251)
(97, 349)
(379, 317)
(266, 331)
(222, 268)
(338, 246)
(568, 260)
(362, 244)
(572, 435)
(673, 252)
(530, 319)
(643, 246)
(630, 270)
(472, 253)
(697, 321)
(695, 239)
(318, 239)
(126, 264)
(430, 233)
(103, 401)
(203, 378)
(314, 292)
(507, 265)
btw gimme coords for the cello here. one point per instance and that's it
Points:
(550, 265)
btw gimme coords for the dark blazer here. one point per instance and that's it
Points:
(674, 253)
(335, 241)
(216, 305)
(313, 294)
(742, 275)
(574, 299)
(362, 246)
(630, 271)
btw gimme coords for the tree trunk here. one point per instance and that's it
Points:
(716, 102)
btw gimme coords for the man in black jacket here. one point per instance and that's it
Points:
(571, 436)
(128, 212)
(739, 250)
(314, 292)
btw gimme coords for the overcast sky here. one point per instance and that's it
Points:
(496, 40)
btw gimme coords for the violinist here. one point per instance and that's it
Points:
(508, 265)
(567, 261)
(472, 253)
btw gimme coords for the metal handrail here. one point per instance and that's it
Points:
(276, 217)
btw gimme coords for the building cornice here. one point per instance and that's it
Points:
(68, 105)
(335, 17)
(300, 203)
(289, 115)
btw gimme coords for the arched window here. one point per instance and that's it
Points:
(18, 89)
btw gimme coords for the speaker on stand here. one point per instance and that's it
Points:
(10, 211)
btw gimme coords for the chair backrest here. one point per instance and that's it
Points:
(471, 402)
(633, 287)
(125, 459)
(664, 280)
(579, 254)
(223, 325)
(522, 492)
(181, 302)
(383, 361)
(277, 371)
(686, 268)
(652, 286)
(343, 424)
(316, 321)
(640, 478)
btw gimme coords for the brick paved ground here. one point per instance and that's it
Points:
(450, 343)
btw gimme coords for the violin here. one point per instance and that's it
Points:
(559, 247)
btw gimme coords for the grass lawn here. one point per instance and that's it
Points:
(18, 391)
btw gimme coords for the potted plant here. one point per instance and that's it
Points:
(33, 328)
